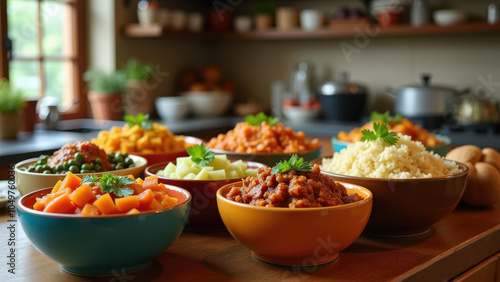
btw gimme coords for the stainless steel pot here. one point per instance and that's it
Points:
(424, 100)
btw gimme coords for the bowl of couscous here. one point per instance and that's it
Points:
(412, 188)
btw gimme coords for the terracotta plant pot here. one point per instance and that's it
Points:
(263, 21)
(10, 125)
(106, 106)
(138, 98)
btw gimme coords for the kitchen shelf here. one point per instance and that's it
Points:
(341, 31)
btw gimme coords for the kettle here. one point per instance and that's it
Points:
(49, 112)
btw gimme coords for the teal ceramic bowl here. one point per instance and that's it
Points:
(440, 150)
(106, 244)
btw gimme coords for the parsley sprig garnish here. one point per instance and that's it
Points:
(111, 183)
(142, 120)
(201, 155)
(385, 117)
(257, 119)
(295, 163)
(380, 131)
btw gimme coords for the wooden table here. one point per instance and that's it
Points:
(460, 241)
(463, 239)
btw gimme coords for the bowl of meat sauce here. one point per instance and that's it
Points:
(80, 158)
(264, 140)
(294, 216)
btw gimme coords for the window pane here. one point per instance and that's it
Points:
(54, 24)
(59, 81)
(22, 16)
(24, 76)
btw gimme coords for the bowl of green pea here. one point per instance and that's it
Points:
(42, 172)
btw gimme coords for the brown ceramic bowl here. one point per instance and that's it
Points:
(204, 214)
(407, 207)
(154, 158)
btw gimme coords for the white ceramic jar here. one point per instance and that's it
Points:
(311, 19)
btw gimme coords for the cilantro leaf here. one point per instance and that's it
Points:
(257, 119)
(111, 183)
(380, 131)
(140, 119)
(385, 117)
(201, 155)
(89, 179)
(295, 163)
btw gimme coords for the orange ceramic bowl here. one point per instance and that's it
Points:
(408, 207)
(300, 236)
(154, 158)
(204, 214)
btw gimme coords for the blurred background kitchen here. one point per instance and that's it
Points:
(323, 66)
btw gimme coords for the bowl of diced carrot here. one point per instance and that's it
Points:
(104, 225)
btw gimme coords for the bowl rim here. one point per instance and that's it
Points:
(364, 190)
(220, 151)
(25, 209)
(446, 139)
(139, 163)
(464, 167)
(163, 164)
(193, 141)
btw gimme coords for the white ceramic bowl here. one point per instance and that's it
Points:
(208, 104)
(28, 182)
(449, 17)
(300, 114)
(172, 108)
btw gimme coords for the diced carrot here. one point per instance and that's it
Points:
(61, 204)
(162, 187)
(136, 187)
(82, 195)
(72, 181)
(89, 210)
(133, 211)
(145, 198)
(154, 205)
(168, 201)
(151, 182)
(56, 187)
(40, 204)
(105, 204)
(139, 181)
(131, 176)
(127, 203)
(159, 196)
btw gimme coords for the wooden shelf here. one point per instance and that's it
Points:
(340, 31)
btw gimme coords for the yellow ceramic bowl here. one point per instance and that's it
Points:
(301, 236)
(30, 181)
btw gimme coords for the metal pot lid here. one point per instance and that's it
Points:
(342, 87)
(426, 87)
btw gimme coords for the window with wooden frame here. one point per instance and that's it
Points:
(46, 56)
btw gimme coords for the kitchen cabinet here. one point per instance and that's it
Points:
(343, 31)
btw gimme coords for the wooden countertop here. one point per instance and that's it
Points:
(461, 240)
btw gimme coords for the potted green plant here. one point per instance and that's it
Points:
(106, 93)
(12, 103)
(139, 96)
(264, 11)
